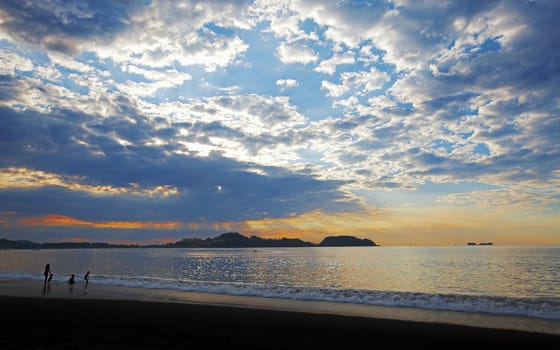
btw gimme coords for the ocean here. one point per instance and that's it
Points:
(521, 281)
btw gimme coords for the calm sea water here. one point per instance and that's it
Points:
(498, 280)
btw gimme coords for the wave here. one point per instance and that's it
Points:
(539, 307)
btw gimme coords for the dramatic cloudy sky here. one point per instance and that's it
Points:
(407, 122)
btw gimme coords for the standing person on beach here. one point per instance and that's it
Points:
(47, 272)
(86, 278)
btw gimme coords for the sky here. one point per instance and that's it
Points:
(406, 122)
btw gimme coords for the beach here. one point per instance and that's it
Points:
(106, 317)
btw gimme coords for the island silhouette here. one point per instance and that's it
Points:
(225, 240)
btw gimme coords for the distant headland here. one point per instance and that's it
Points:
(225, 240)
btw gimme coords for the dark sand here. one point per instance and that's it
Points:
(87, 322)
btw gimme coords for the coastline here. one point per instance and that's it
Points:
(218, 319)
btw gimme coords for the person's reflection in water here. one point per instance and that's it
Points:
(47, 285)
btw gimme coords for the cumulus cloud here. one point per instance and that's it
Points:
(329, 66)
(298, 53)
(359, 83)
(60, 26)
(287, 83)
(157, 79)
(178, 98)
(157, 170)
(509, 198)
(10, 63)
(167, 32)
(28, 178)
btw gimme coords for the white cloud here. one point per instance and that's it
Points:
(333, 90)
(329, 66)
(289, 83)
(10, 63)
(47, 73)
(288, 27)
(284, 20)
(366, 56)
(297, 53)
(68, 62)
(171, 75)
(347, 24)
(359, 83)
(211, 52)
(161, 79)
(348, 103)
(448, 91)
(511, 197)
(14, 177)
(169, 32)
(381, 102)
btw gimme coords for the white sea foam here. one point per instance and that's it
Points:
(540, 307)
(503, 280)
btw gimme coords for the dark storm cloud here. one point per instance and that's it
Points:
(458, 99)
(504, 130)
(58, 24)
(216, 128)
(243, 195)
(500, 90)
(526, 57)
(536, 166)
(7, 91)
(46, 142)
(344, 125)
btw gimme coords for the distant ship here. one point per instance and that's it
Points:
(483, 243)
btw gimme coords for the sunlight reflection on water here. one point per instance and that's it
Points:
(499, 271)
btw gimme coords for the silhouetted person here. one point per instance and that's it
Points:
(71, 280)
(47, 272)
(47, 284)
(86, 278)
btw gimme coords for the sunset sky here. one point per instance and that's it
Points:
(407, 122)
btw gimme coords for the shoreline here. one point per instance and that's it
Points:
(36, 289)
(216, 319)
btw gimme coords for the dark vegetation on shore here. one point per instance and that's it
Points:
(225, 240)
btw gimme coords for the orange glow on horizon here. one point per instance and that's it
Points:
(410, 226)
(76, 239)
(62, 220)
(121, 241)
(144, 242)
(443, 226)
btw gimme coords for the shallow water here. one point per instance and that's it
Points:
(500, 280)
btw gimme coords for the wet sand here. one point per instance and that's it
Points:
(104, 317)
